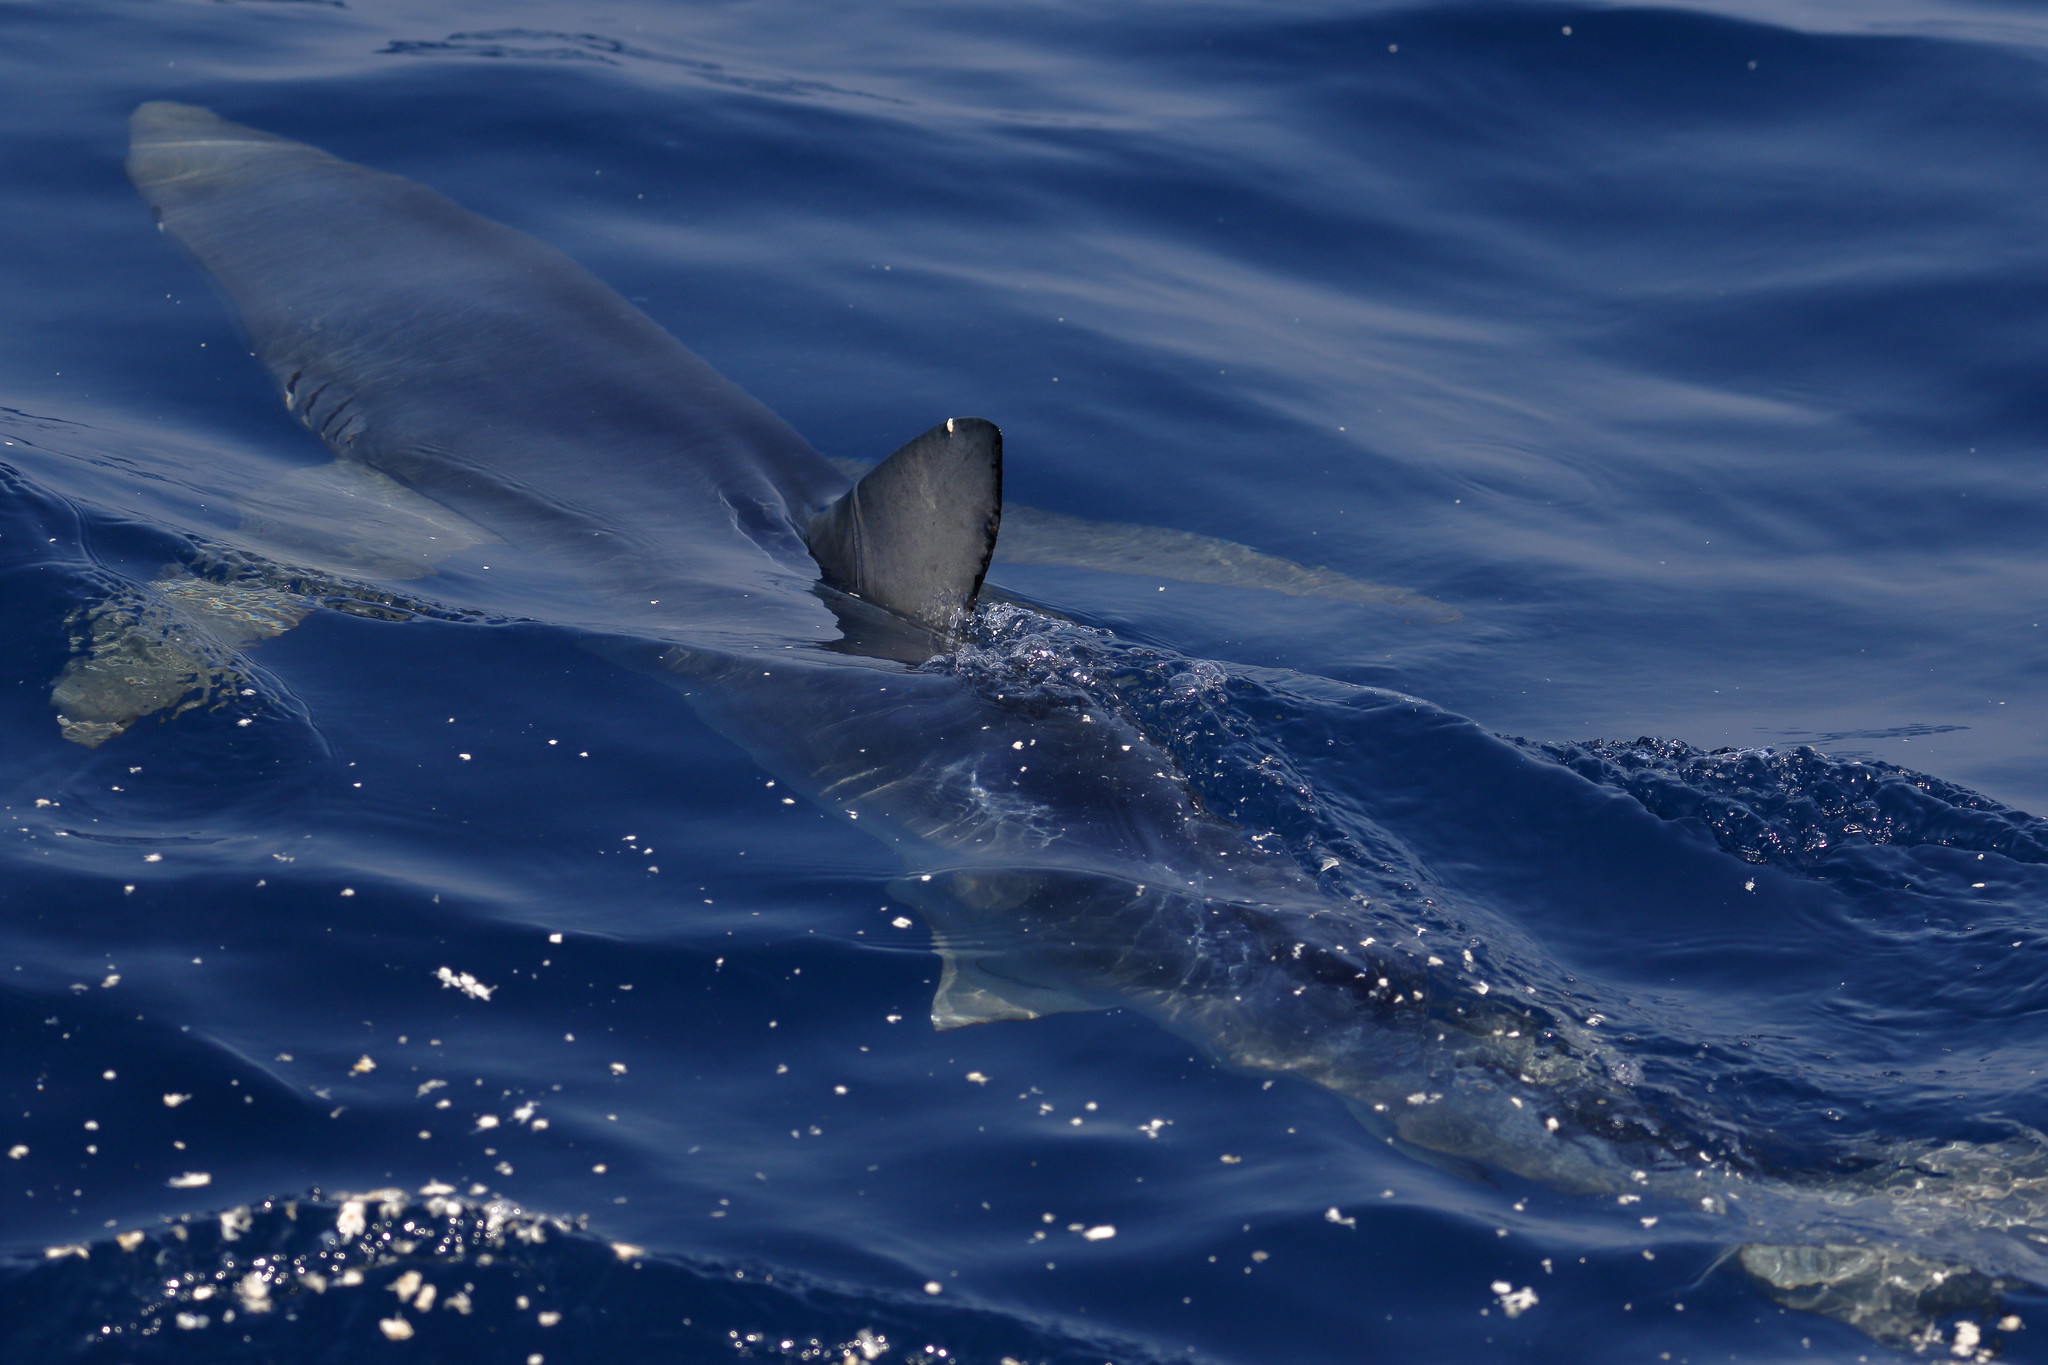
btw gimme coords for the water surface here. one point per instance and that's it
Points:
(1691, 354)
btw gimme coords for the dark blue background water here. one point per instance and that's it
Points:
(1695, 360)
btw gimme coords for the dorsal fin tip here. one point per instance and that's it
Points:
(914, 535)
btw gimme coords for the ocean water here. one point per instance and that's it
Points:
(1674, 374)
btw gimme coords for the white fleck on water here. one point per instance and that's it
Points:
(254, 1292)
(464, 982)
(1514, 1302)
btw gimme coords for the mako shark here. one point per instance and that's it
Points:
(475, 385)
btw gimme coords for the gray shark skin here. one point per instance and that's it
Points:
(487, 371)
(491, 374)
(1056, 849)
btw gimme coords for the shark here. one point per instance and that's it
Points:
(477, 387)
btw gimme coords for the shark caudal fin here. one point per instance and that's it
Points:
(914, 536)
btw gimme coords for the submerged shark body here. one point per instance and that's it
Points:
(1056, 849)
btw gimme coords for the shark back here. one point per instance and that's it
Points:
(496, 376)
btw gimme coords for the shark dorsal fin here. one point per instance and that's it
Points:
(914, 536)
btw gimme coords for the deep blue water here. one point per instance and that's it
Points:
(1691, 355)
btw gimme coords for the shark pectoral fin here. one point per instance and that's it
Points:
(171, 648)
(976, 990)
(994, 967)
(914, 536)
(346, 516)
(1033, 536)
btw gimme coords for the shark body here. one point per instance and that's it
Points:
(492, 375)
(1057, 851)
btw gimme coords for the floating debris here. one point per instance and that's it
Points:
(464, 982)
(1514, 1302)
